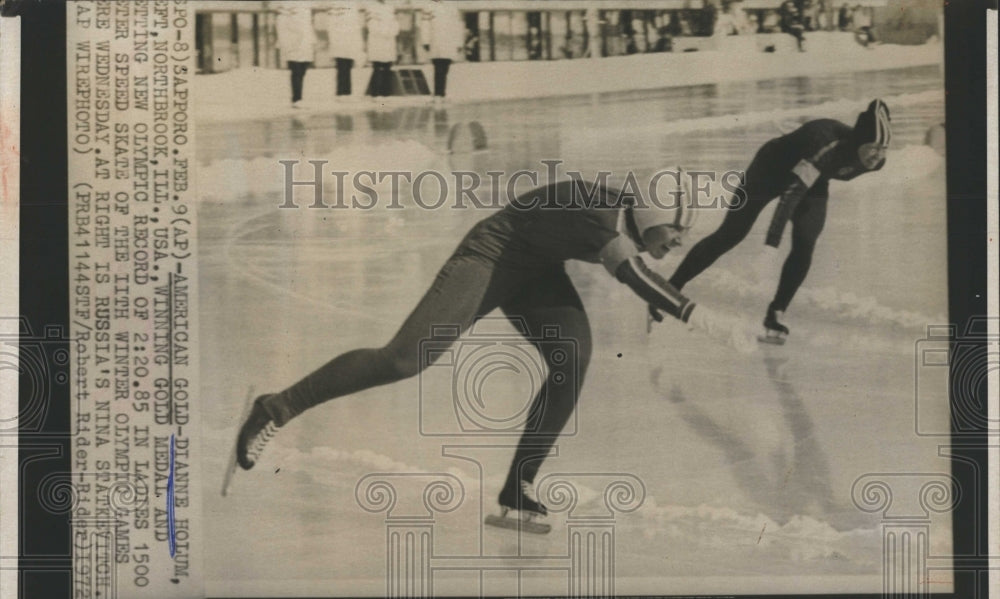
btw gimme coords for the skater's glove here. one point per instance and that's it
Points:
(654, 314)
(722, 328)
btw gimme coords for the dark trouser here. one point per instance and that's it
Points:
(344, 66)
(298, 70)
(441, 66)
(807, 224)
(797, 32)
(381, 82)
(467, 288)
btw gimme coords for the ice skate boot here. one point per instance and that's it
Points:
(254, 435)
(520, 510)
(258, 428)
(775, 333)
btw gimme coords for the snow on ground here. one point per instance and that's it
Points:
(260, 93)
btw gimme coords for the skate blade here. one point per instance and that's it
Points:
(777, 339)
(507, 522)
(231, 466)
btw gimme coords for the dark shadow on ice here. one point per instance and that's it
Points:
(781, 485)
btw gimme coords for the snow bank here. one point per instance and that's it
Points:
(260, 93)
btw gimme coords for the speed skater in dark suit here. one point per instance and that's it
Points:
(514, 260)
(796, 167)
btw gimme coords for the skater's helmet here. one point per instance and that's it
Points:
(872, 134)
(672, 206)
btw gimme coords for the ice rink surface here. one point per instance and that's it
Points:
(745, 463)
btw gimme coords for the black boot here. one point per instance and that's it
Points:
(521, 497)
(771, 322)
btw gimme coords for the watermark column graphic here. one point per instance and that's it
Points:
(460, 367)
(906, 502)
(966, 359)
(100, 527)
(460, 406)
(958, 367)
(409, 502)
(34, 362)
(590, 526)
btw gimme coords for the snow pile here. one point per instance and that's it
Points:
(786, 119)
(254, 93)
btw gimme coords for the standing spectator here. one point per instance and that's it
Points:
(863, 27)
(733, 20)
(707, 18)
(824, 11)
(592, 22)
(534, 43)
(770, 22)
(471, 45)
(446, 43)
(791, 22)
(724, 24)
(807, 9)
(346, 44)
(297, 41)
(740, 19)
(382, 30)
(844, 18)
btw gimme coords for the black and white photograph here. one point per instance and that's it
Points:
(517, 298)
(631, 306)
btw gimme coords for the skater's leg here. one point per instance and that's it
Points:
(807, 224)
(551, 304)
(463, 290)
(737, 223)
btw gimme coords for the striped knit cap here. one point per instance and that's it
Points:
(873, 125)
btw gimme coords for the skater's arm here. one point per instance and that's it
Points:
(653, 288)
(807, 172)
(789, 201)
(621, 259)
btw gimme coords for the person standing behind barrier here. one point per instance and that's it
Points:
(844, 17)
(296, 40)
(592, 21)
(863, 27)
(346, 45)
(446, 41)
(382, 30)
(791, 23)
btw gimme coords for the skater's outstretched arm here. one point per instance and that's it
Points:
(658, 293)
(623, 261)
(621, 258)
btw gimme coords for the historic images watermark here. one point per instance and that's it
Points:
(962, 358)
(461, 368)
(458, 189)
